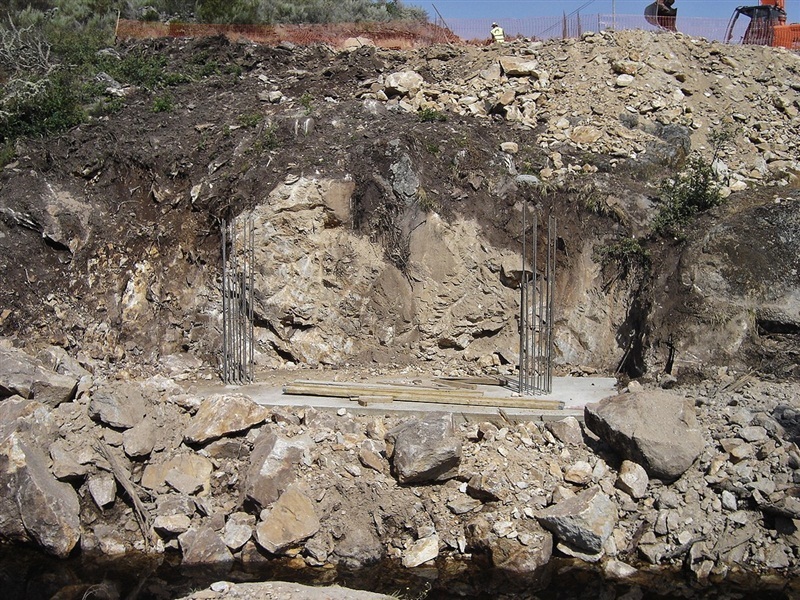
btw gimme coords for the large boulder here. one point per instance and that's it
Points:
(291, 520)
(584, 521)
(425, 449)
(222, 414)
(204, 546)
(272, 466)
(188, 473)
(279, 590)
(34, 505)
(118, 404)
(23, 375)
(655, 429)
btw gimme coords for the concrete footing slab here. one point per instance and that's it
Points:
(574, 392)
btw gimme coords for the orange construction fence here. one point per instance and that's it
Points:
(410, 34)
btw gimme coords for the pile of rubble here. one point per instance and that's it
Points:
(621, 95)
(707, 477)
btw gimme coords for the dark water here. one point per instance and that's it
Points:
(27, 575)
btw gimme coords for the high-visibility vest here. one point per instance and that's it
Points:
(498, 35)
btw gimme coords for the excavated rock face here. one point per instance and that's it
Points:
(737, 280)
(388, 208)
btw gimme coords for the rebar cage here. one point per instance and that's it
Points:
(536, 308)
(238, 250)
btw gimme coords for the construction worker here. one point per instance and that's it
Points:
(498, 36)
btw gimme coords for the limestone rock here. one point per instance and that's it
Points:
(188, 473)
(222, 414)
(65, 461)
(487, 487)
(585, 521)
(34, 505)
(585, 134)
(140, 439)
(26, 376)
(425, 449)
(171, 524)
(657, 430)
(515, 66)
(421, 551)
(103, 489)
(359, 546)
(290, 521)
(403, 83)
(526, 556)
(278, 590)
(567, 431)
(272, 466)
(632, 479)
(204, 546)
(57, 359)
(238, 530)
(118, 404)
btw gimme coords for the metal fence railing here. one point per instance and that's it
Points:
(544, 28)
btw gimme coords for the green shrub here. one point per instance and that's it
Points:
(267, 140)
(627, 253)
(427, 115)
(694, 190)
(7, 154)
(163, 103)
(53, 104)
(137, 68)
(249, 119)
(307, 100)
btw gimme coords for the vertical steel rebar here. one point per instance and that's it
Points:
(238, 330)
(522, 286)
(225, 375)
(552, 227)
(251, 363)
(536, 309)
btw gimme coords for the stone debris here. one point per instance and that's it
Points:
(238, 412)
(584, 521)
(518, 492)
(658, 430)
(291, 520)
(424, 449)
(702, 477)
(273, 465)
(26, 376)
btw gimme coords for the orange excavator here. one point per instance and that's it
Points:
(767, 25)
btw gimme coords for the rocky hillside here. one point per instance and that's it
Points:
(388, 189)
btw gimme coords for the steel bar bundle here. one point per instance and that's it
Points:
(237, 300)
(536, 309)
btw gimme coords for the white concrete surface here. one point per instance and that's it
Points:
(574, 392)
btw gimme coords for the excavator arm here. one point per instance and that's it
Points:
(767, 24)
(661, 14)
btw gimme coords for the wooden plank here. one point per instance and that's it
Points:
(475, 380)
(368, 400)
(337, 389)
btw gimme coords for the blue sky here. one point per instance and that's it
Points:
(508, 9)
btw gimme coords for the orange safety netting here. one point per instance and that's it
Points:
(395, 34)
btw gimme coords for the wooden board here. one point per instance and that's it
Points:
(410, 393)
